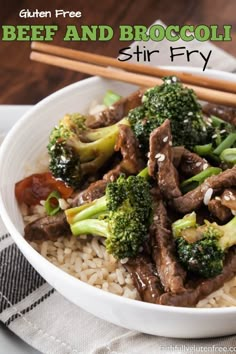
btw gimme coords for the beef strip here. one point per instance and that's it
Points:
(127, 143)
(218, 210)
(171, 273)
(222, 207)
(117, 111)
(195, 198)
(191, 297)
(145, 278)
(160, 163)
(47, 228)
(94, 191)
(228, 198)
(191, 164)
(113, 174)
(226, 113)
(177, 152)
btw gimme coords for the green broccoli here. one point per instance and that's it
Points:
(177, 103)
(76, 150)
(201, 249)
(123, 216)
(221, 136)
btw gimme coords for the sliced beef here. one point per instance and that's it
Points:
(191, 164)
(228, 198)
(188, 163)
(195, 198)
(177, 152)
(221, 207)
(127, 143)
(117, 111)
(145, 278)
(191, 297)
(47, 228)
(113, 174)
(171, 274)
(160, 163)
(226, 113)
(94, 191)
(97, 189)
(218, 210)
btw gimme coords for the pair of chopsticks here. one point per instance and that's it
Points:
(207, 89)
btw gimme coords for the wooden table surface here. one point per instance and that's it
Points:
(25, 82)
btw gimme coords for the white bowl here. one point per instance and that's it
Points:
(23, 144)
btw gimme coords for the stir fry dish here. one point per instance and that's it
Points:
(140, 196)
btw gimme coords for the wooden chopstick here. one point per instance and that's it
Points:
(204, 81)
(205, 94)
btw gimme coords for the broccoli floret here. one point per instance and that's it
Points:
(142, 125)
(122, 216)
(202, 249)
(76, 150)
(177, 103)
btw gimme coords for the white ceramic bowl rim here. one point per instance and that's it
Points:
(98, 292)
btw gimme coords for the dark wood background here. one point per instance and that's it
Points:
(25, 82)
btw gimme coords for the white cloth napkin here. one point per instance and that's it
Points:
(34, 311)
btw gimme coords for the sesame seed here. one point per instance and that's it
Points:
(160, 157)
(190, 113)
(148, 154)
(207, 196)
(174, 78)
(198, 164)
(205, 166)
(168, 82)
(186, 121)
(214, 136)
(165, 139)
(226, 197)
(203, 128)
(124, 260)
(170, 143)
(222, 131)
(217, 198)
(209, 120)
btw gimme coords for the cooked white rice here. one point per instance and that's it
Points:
(86, 259)
(83, 257)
